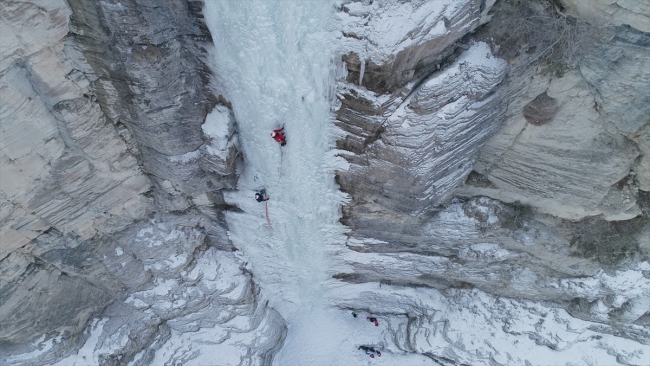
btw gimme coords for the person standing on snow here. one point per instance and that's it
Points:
(373, 320)
(279, 136)
(370, 351)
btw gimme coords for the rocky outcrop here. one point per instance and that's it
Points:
(64, 164)
(148, 73)
(401, 169)
(635, 13)
(576, 164)
(385, 55)
(173, 290)
(480, 184)
(66, 171)
(104, 123)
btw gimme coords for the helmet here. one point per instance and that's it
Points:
(257, 195)
(273, 134)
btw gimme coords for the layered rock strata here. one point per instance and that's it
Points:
(594, 141)
(153, 58)
(65, 171)
(548, 145)
(106, 125)
(384, 129)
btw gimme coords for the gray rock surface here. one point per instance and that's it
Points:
(595, 140)
(552, 199)
(632, 12)
(148, 72)
(66, 173)
(64, 165)
(415, 140)
(104, 124)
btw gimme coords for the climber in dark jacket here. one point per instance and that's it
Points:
(261, 196)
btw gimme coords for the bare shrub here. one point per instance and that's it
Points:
(539, 31)
(608, 242)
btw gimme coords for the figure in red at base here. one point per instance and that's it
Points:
(279, 136)
(370, 351)
(373, 320)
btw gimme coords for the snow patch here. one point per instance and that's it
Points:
(219, 129)
(377, 29)
(185, 158)
(112, 7)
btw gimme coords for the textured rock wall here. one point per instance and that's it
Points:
(150, 77)
(635, 13)
(386, 116)
(576, 164)
(66, 171)
(549, 148)
(64, 164)
(105, 122)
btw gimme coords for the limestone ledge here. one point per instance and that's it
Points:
(577, 164)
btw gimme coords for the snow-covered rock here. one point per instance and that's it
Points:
(179, 301)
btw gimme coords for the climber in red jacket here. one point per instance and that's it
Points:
(278, 135)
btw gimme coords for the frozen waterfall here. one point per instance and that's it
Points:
(275, 62)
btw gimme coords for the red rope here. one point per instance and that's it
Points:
(267, 214)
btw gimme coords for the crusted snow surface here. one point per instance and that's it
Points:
(218, 127)
(89, 353)
(186, 158)
(474, 328)
(381, 24)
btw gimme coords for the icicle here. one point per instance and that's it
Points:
(362, 71)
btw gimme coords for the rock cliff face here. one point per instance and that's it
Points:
(594, 140)
(558, 194)
(631, 12)
(105, 130)
(132, 50)
(65, 166)
(66, 172)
